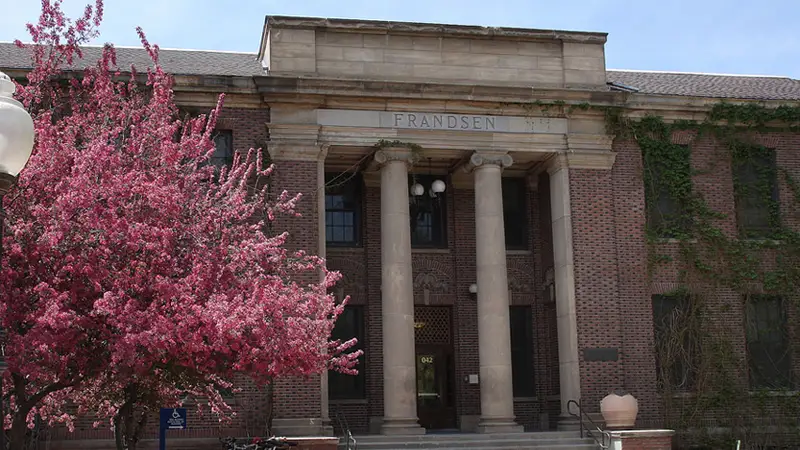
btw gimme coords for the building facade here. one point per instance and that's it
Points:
(490, 226)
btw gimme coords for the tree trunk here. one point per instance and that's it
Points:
(126, 428)
(18, 435)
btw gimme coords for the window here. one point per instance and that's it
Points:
(677, 347)
(756, 190)
(515, 213)
(343, 210)
(522, 351)
(428, 216)
(668, 189)
(349, 325)
(223, 151)
(767, 343)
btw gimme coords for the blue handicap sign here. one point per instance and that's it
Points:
(171, 419)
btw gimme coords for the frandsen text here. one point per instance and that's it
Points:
(428, 121)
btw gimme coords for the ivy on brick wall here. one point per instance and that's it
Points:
(709, 395)
(703, 369)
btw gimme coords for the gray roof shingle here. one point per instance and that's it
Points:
(200, 62)
(176, 62)
(708, 85)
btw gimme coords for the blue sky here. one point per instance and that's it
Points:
(718, 36)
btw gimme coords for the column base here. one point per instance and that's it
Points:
(499, 425)
(311, 426)
(401, 427)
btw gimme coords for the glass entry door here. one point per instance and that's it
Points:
(435, 399)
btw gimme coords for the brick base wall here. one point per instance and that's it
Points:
(642, 440)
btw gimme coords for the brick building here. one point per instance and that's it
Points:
(489, 229)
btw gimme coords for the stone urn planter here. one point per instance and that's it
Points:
(619, 409)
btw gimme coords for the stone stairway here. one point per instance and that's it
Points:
(557, 440)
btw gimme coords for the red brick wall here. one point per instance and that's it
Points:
(596, 281)
(712, 178)
(638, 370)
(298, 397)
(647, 443)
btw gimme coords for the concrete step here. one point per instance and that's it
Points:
(471, 436)
(456, 441)
(529, 446)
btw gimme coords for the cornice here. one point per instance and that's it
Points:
(299, 88)
(504, 99)
(296, 151)
(596, 160)
(589, 142)
(451, 140)
(431, 29)
(291, 132)
(210, 100)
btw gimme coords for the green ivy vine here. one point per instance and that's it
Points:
(685, 232)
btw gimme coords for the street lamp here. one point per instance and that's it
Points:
(16, 144)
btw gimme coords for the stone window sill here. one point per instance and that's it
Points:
(674, 241)
(769, 393)
(684, 394)
(518, 252)
(526, 399)
(344, 250)
(763, 241)
(440, 251)
(349, 401)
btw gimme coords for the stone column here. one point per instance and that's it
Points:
(494, 332)
(566, 319)
(397, 296)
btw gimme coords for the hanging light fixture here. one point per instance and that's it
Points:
(438, 186)
(417, 189)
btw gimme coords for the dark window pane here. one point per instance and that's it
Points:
(756, 190)
(767, 343)
(668, 191)
(343, 209)
(428, 215)
(349, 325)
(522, 351)
(223, 148)
(515, 213)
(677, 347)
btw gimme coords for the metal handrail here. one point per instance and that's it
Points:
(348, 435)
(605, 437)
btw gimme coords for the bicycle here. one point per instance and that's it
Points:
(271, 443)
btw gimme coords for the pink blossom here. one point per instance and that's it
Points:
(134, 274)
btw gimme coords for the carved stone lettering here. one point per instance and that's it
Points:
(435, 121)
(441, 121)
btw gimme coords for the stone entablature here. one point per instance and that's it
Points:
(412, 51)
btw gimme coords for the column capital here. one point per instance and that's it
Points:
(297, 151)
(485, 159)
(388, 154)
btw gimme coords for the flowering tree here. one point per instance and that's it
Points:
(135, 273)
